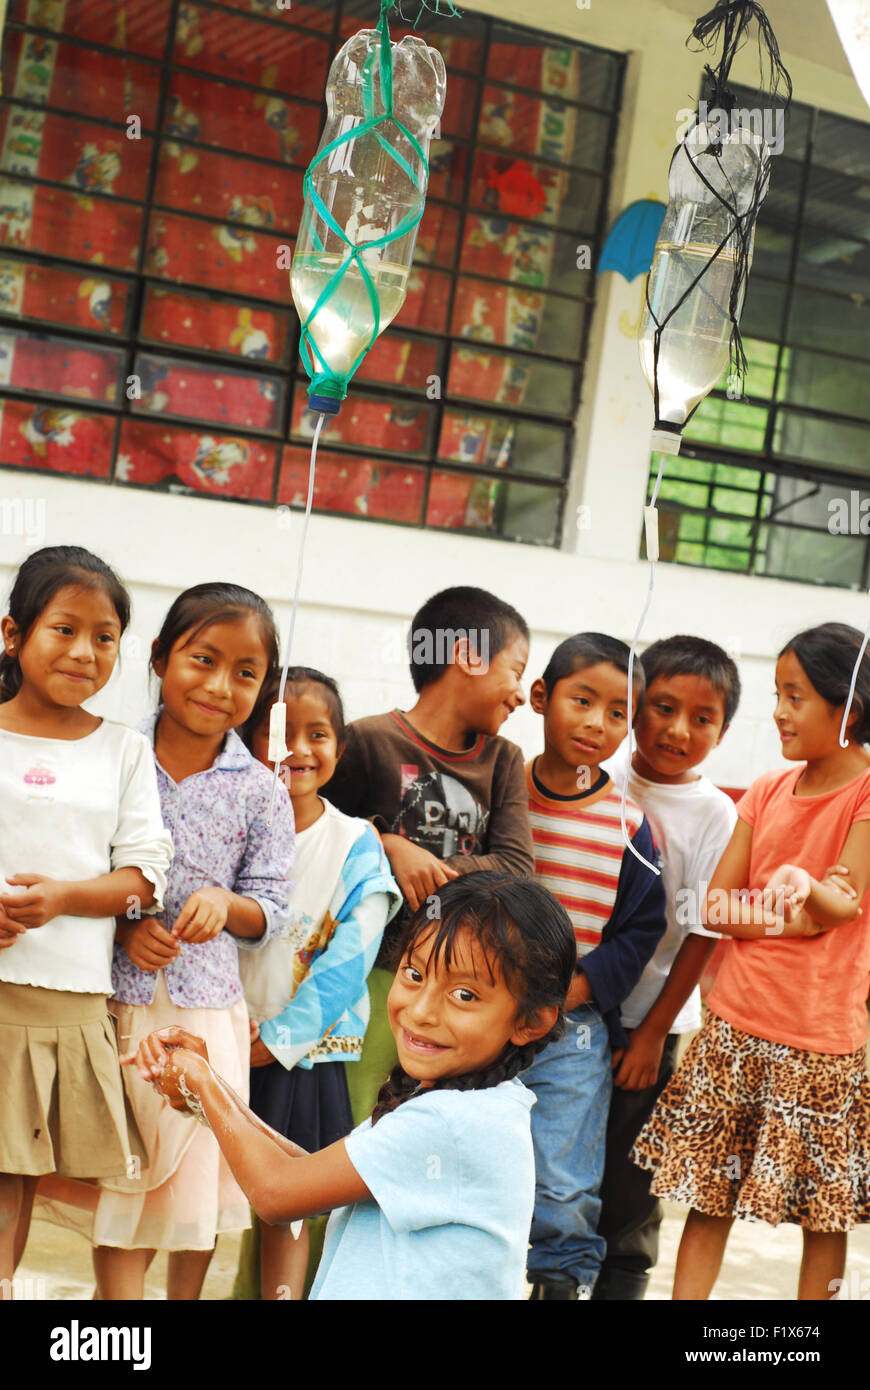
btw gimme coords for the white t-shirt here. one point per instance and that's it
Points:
(452, 1175)
(75, 810)
(691, 824)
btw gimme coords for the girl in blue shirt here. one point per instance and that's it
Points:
(435, 1191)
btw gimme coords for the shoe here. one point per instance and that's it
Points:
(615, 1284)
(551, 1289)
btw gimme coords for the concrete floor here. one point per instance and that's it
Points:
(761, 1263)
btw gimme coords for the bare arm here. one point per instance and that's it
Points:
(47, 898)
(637, 1067)
(281, 1180)
(724, 911)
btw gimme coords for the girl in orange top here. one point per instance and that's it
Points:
(768, 1116)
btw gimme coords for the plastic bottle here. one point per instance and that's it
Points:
(694, 346)
(369, 193)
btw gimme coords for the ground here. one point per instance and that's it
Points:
(761, 1263)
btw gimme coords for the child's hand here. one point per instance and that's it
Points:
(153, 1052)
(41, 900)
(580, 992)
(260, 1054)
(203, 916)
(638, 1065)
(9, 930)
(796, 885)
(255, 1029)
(418, 873)
(148, 944)
(837, 878)
(800, 923)
(179, 1080)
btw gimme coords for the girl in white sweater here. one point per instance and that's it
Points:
(81, 841)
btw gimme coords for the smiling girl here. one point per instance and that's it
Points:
(228, 886)
(435, 1192)
(768, 1117)
(80, 839)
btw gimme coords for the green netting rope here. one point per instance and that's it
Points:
(324, 381)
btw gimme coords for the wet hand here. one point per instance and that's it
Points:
(153, 1053)
(203, 916)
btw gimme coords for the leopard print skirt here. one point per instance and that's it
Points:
(762, 1131)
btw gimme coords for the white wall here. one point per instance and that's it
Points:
(364, 580)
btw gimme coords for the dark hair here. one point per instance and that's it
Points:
(206, 604)
(298, 677)
(695, 656)
(828, 654)
(523, 930)
(453, 613)
(43, 574)
(590, 649)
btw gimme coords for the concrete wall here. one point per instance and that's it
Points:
(364, 580)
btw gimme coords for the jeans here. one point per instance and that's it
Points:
(572, 1081)
(630, 1215)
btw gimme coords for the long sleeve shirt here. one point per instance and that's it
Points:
(616, 904)
(75, 809)
(329, 953)
(218, 822)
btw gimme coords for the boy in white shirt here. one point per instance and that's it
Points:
(693, 689)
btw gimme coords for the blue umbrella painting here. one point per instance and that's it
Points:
(630, 244)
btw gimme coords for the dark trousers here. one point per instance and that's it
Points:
(630, 1214)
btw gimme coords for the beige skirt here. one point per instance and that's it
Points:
(65, 1109)
(184, 1195)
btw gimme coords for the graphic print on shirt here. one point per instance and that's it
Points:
(440, 814)
(39, 779)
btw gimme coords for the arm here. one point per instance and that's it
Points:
(47, 898)
(509, 834)
(257, 907)
(636, 925)
(826, 902)
(640, 1062)
(752, 919)
(281, 1181)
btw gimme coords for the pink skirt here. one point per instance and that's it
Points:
(185, 1195)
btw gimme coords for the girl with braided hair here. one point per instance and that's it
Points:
(435, 1192)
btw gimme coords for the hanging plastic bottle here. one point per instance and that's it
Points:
(697, 282)
(365, 191)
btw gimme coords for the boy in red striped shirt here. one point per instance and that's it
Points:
(617, 906)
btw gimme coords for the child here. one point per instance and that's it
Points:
(768, 1115)
(307, 990)
(228, 884)
(445, 791)
(616, 905)
(78, 799)
(436, 1190)
(692, 692)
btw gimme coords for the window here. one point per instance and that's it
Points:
(763, 485)
(151, 170)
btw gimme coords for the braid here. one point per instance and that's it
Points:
(10, 676)
(399, 1086)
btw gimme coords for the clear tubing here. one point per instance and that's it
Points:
(631, 656)
(321, 419)
(844, 742)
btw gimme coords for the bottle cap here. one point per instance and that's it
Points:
(324, 405)
(666, 441)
